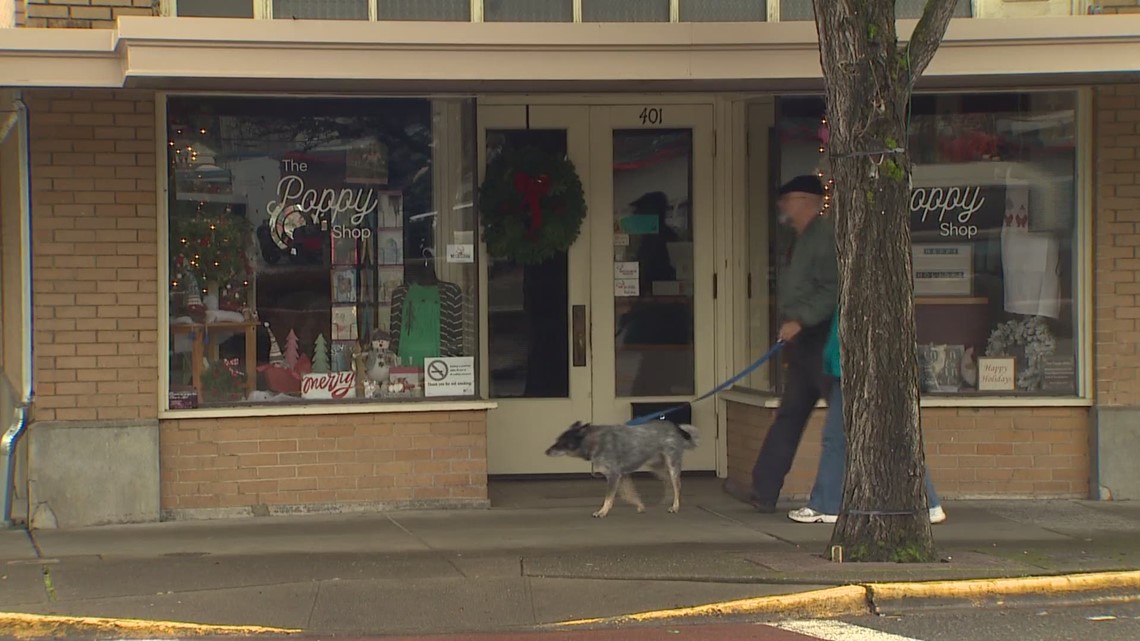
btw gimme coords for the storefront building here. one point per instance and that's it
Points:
(302, 256)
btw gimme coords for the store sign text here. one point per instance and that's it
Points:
(956, 212)
(327, 206)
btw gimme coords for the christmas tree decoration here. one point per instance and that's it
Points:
(321, 355)
(209, 244)
(292, 351)
(531, 205)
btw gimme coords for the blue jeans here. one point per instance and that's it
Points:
(827, 493)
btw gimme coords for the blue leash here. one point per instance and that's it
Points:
(655, 416)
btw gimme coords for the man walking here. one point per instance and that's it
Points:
(807, 296)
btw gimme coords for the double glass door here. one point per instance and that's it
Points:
(622, 322)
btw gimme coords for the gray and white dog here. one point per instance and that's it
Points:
(617, 451)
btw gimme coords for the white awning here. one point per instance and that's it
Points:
(345, 56)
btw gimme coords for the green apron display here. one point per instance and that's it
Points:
(419, 335)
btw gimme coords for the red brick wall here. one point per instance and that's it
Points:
(1117, 233)
(95, 254)
(431, 458)
(972, 452)
(84, 14)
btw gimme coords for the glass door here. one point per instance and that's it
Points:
(652, 223)
(537, 364)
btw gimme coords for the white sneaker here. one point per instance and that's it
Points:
(808, 515)
(937, 515)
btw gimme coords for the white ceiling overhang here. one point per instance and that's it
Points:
(289, 55)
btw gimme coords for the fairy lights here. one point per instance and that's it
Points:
(824, 136)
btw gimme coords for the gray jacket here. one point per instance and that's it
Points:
(809, 281)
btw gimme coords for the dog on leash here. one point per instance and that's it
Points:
(617, 451)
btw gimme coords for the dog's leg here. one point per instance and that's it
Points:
(613, 481)
(660, 469)
(675, 480)
(629, 493)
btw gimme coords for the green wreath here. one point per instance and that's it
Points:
(531, 205)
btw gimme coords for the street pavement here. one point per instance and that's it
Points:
(1119, 622)
(1081, 623)
(537, 558)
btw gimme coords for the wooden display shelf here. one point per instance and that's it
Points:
(198, 333)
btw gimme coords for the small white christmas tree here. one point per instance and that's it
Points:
(292, 353)
(321, 355)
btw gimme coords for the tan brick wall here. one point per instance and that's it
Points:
(429, 457)
(84, 14)
(972, 452)
(95, 254)
(1117, 233)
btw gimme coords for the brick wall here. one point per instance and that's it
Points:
(431, 458)
(1117, 232)
(972, 452)
(84, 14)
(95, 249)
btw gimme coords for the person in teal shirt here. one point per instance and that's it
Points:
(827, 492)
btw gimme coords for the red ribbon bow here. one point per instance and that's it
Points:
(532, 189)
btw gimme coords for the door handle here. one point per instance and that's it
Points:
(578, 331)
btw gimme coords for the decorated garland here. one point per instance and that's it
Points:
(1030, 335)
(531, 205)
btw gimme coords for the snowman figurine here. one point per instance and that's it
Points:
(380, 357)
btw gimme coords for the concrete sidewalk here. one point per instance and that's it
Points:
(539, 558)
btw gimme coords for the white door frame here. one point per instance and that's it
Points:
(604, 120)
(519, 430)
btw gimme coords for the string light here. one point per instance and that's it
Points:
(824, 137)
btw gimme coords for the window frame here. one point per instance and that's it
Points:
(263, 9)
(163, 190)
(1083, 266)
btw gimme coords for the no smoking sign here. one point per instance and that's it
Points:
(437, 371)
(453, 376)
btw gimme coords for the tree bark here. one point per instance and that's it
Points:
(869, 80)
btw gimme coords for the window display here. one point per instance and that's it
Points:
(993, 227)
(310, 250)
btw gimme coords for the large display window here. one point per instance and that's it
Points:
(993, 214)
(320, 250)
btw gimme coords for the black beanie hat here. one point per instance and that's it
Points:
(804, 185)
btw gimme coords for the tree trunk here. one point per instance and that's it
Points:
(869, 81)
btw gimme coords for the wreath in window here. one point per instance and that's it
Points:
(531, 205)
(1031, 342)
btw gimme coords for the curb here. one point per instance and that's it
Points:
(31, 626)
(893, 598)
(829, 602)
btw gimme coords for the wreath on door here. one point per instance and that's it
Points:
(531, 205)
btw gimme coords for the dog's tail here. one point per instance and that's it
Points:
(691, 433)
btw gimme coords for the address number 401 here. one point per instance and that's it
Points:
(651, 116)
